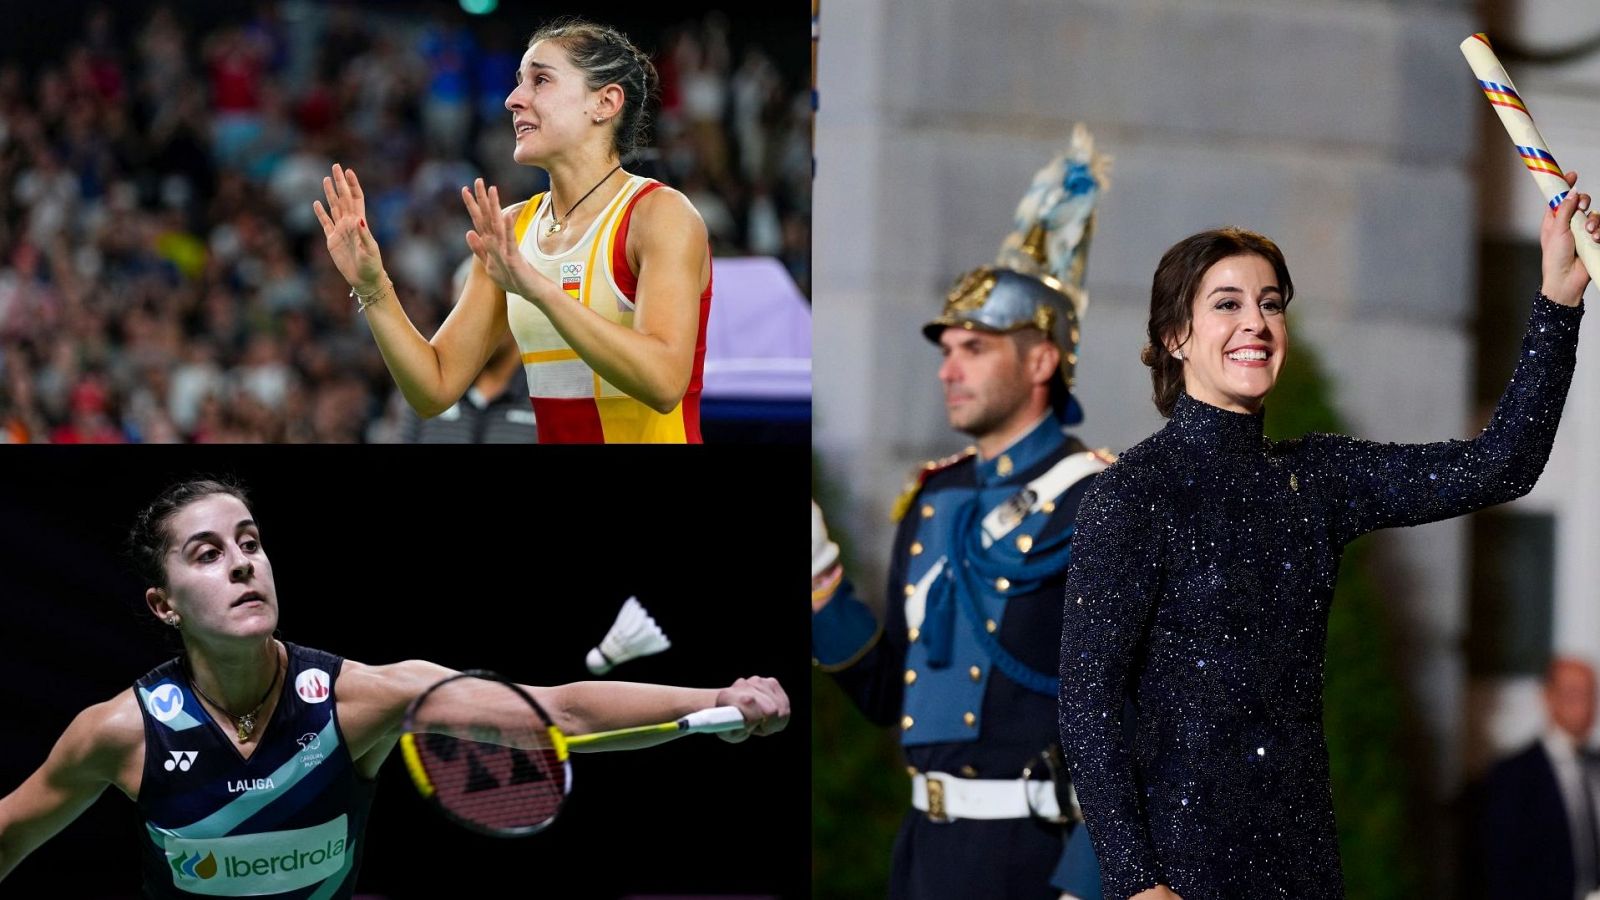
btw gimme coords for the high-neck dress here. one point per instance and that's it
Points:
(1204, 565)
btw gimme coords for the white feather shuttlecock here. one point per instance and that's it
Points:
(633, 635)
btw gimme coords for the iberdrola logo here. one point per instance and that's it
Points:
(193, 865)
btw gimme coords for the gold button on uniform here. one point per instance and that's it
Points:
(1003, 467)
(911, 634)
(911, 676)
(906, 722)
(916, 548)
(927, 511)
(910, 589)
(1025, 543)
(1048, 506)
(1002, 584)
(970, 719)
(990, 626)
(976, 673)
(968, 772)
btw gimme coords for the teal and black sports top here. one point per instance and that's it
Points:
(285, 823)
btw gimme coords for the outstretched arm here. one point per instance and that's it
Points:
(431, 374)
(1372, 485)
(100, 746)
(373, 701)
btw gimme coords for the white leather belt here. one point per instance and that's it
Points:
(1003, 519)
(944, 797)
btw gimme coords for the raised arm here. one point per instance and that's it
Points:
(102, 746)
(1112, 589)
(431, 374)
(652, 361)
(1372, 485)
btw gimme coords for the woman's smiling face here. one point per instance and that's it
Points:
(1238, 338)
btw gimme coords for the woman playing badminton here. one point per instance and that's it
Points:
(252, 760)
(1204, 565)
(604, 280)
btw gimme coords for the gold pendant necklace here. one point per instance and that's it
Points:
(245, 724)
(555, 225)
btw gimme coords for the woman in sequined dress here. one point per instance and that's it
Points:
(1205, 562)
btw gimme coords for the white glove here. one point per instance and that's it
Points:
(824, 553)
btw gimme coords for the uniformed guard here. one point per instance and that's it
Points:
(964, 665)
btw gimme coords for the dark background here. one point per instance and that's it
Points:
(487, 557)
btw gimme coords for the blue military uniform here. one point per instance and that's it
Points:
(963, 664)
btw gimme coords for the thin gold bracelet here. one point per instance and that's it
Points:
(363, 302)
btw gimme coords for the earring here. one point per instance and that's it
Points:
(598, 120)
(1177, 354)
(172, 619)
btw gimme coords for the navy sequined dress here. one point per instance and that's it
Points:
(1204, 565)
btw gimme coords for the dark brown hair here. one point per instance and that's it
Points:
(1172, 293)
(150, 538)
(606, 56)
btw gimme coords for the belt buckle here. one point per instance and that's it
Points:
(936, 801)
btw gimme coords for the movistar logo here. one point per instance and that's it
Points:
(165, 702)
(193, 865)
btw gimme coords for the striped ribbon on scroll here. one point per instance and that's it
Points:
(1535, 153)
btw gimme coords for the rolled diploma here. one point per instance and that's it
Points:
(1541, 163)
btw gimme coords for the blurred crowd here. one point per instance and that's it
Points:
(162, 276)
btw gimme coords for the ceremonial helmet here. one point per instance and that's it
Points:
(1037, 280)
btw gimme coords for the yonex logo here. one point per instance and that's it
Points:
(165, 702)
(181, 760)
(192, 865)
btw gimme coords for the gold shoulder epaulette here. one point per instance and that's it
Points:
(908, 494)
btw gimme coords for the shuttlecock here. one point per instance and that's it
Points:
(633, 635)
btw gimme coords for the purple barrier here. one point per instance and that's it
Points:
(758, 342)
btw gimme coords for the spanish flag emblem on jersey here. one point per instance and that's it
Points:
(572, 278)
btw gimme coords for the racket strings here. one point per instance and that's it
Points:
(491, 761)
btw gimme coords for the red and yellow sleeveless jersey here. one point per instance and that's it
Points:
(572, 403)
